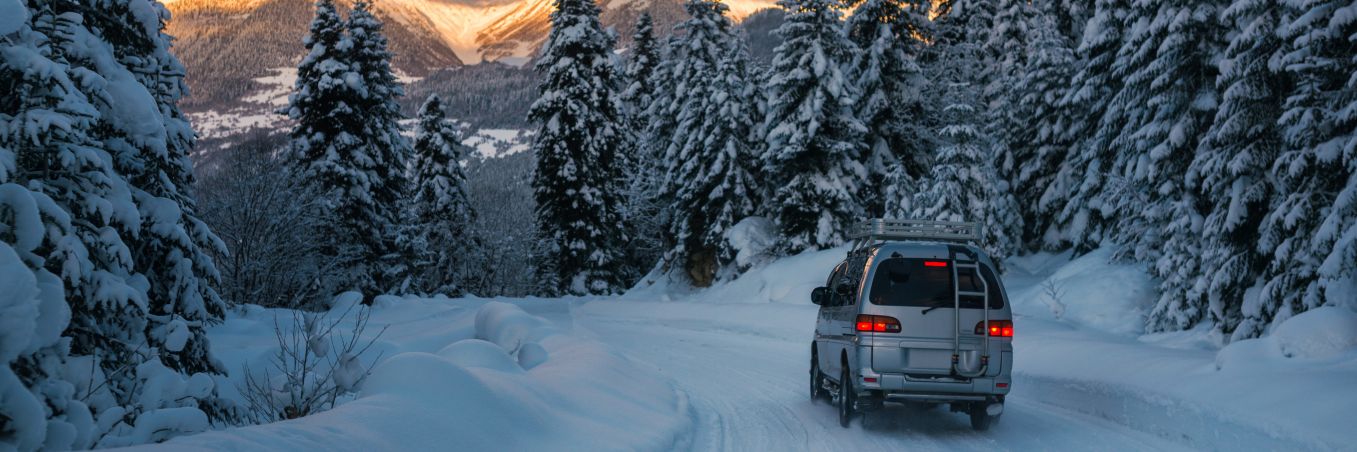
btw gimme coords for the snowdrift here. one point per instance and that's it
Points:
(459, 377)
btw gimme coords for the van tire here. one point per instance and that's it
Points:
(817, 380)
(980, 418)
(846, 399)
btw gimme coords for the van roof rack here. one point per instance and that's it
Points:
(868, 232)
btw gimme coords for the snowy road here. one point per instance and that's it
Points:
(743, 368)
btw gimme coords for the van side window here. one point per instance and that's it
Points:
(853, 276)
(835, 278)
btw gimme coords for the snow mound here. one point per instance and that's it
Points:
(752, 238)
(1318, 334)
(345, 301)
(481, 354)
(531, 355)
(451, 374)
(508, 326)
(1093, 292)
(13, 14)
(787, 280)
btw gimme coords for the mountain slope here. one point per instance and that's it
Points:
(226, 45)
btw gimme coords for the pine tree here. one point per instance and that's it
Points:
(1008, 44)
(62, 260)
(440, 211)
(643, 210)
(968, 21)
(963, 184)
(322, 144)
(814, 139)
(1070, 16)
(1308, 229)
(710, 174)
(890, 35)
(576, 181)
(1170, 102)
(640, 75)
(702, 140)
(347, 149)
(151, 149)
(383, 153)
(1040, 147)
(1230, 169)
(1082, 219)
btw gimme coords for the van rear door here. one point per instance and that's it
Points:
(919, 292)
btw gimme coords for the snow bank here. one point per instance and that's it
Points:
(1314, 337)
(458, 376)
(1290, 389)
(788, 280)
(1089, 291)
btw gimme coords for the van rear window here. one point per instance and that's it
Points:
(928, 283)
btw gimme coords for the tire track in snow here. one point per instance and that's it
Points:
(747, 392)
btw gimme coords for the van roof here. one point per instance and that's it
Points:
(928, 250)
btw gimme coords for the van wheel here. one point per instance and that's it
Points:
(980, 418)
(846, 399)
(817, 381)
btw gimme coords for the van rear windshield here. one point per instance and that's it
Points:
(927, 283)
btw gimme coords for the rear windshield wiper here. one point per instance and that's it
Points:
(930, 308)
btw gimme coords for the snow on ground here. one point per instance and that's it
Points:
(669, 367)
(494, 143)
(1082, 352)
(469, 374)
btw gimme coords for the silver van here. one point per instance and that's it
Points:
(915, 313)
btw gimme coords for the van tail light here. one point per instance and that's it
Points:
(997, 328)
(878, 324)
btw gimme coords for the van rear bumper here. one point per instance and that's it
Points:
(887, 383)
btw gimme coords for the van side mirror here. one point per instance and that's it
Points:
(843, 290)
(819, 295)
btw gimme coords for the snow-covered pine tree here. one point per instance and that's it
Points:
(964, 21)
(642, 62)
(321, 142)
(577, 179)
(440, 213)
(1338, 232)
(890, 35)
(712, 181)
(151, 140)
(62, 261)
(1082, 219)
(655, 122)
(1211, 272)
(1008, 44)
(345, 147)
(1308, 230)
(815, 140)
(701, 140)
(963, 184)
(643, 211)
(1070, 16)
(373, 216)
(1168, 103)
(1040, 146)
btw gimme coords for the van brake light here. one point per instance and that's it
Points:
(877, 324)
(997, 328)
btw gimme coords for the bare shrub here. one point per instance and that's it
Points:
(316, 363)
